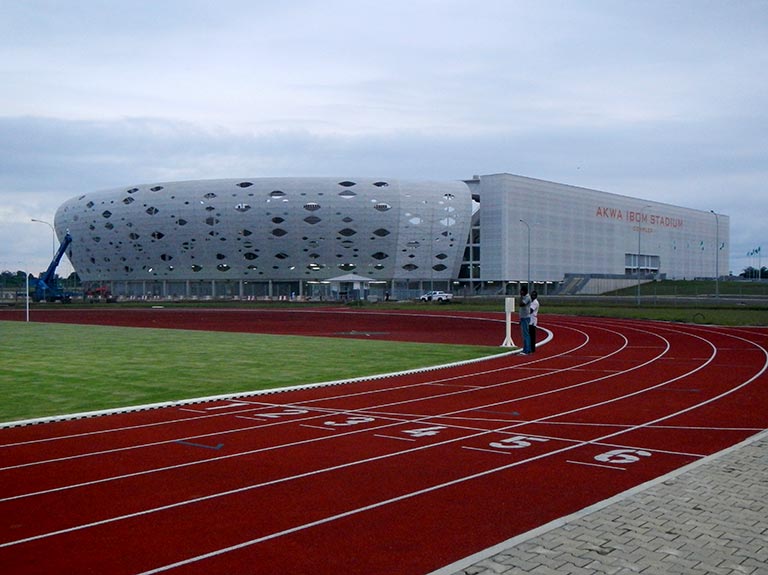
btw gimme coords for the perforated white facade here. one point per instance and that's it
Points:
(236, 233)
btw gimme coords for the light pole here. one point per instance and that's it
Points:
(639, 230)
(529, 253)
(717, 253)
(53, 236)
(26, 293)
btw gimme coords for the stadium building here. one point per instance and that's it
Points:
(363, 237)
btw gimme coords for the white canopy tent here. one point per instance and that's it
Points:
(350, 285)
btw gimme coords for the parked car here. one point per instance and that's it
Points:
(438, 296)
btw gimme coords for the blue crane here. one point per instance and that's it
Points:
(47, 286)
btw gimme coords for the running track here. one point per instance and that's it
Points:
(400, 475)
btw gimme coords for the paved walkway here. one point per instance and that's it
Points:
(711, 518)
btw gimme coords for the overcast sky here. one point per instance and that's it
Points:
(664, 100)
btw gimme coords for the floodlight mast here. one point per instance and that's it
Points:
(717, 253)
(529, 253)
(639, 230)
(53, 235)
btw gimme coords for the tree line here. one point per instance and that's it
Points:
(18, 279)
(754, 273)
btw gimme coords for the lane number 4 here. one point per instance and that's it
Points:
(424, 431)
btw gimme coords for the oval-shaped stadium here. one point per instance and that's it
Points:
(286, 237)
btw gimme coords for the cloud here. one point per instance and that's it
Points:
(651, 99)
(43, 162)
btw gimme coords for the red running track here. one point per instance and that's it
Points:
(402, 475)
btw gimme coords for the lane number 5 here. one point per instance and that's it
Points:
(516, 442)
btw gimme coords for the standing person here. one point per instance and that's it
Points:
(534, 319)
(525, 318)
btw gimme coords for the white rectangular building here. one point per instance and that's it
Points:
(580, 231)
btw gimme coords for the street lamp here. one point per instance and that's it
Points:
(639, 229)
(529, 253)
(26, 293)
(53, 236)
(717, 253)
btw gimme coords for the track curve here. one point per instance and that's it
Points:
(398, 475)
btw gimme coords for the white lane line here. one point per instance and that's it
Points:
(243, 397)
(453, 482)
(614, 467)
(320, 427)
(325, 429)
(494, 451)
(300, 404)
(314, 417)
(219, 433)
(483, 432)
(413, 494)
(394, 437)
(255, 405)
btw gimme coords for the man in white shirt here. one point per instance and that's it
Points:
(525, 318)
(534, 311)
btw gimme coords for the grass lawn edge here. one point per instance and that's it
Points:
(244, 394)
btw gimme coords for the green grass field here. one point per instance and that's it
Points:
(55, 369)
